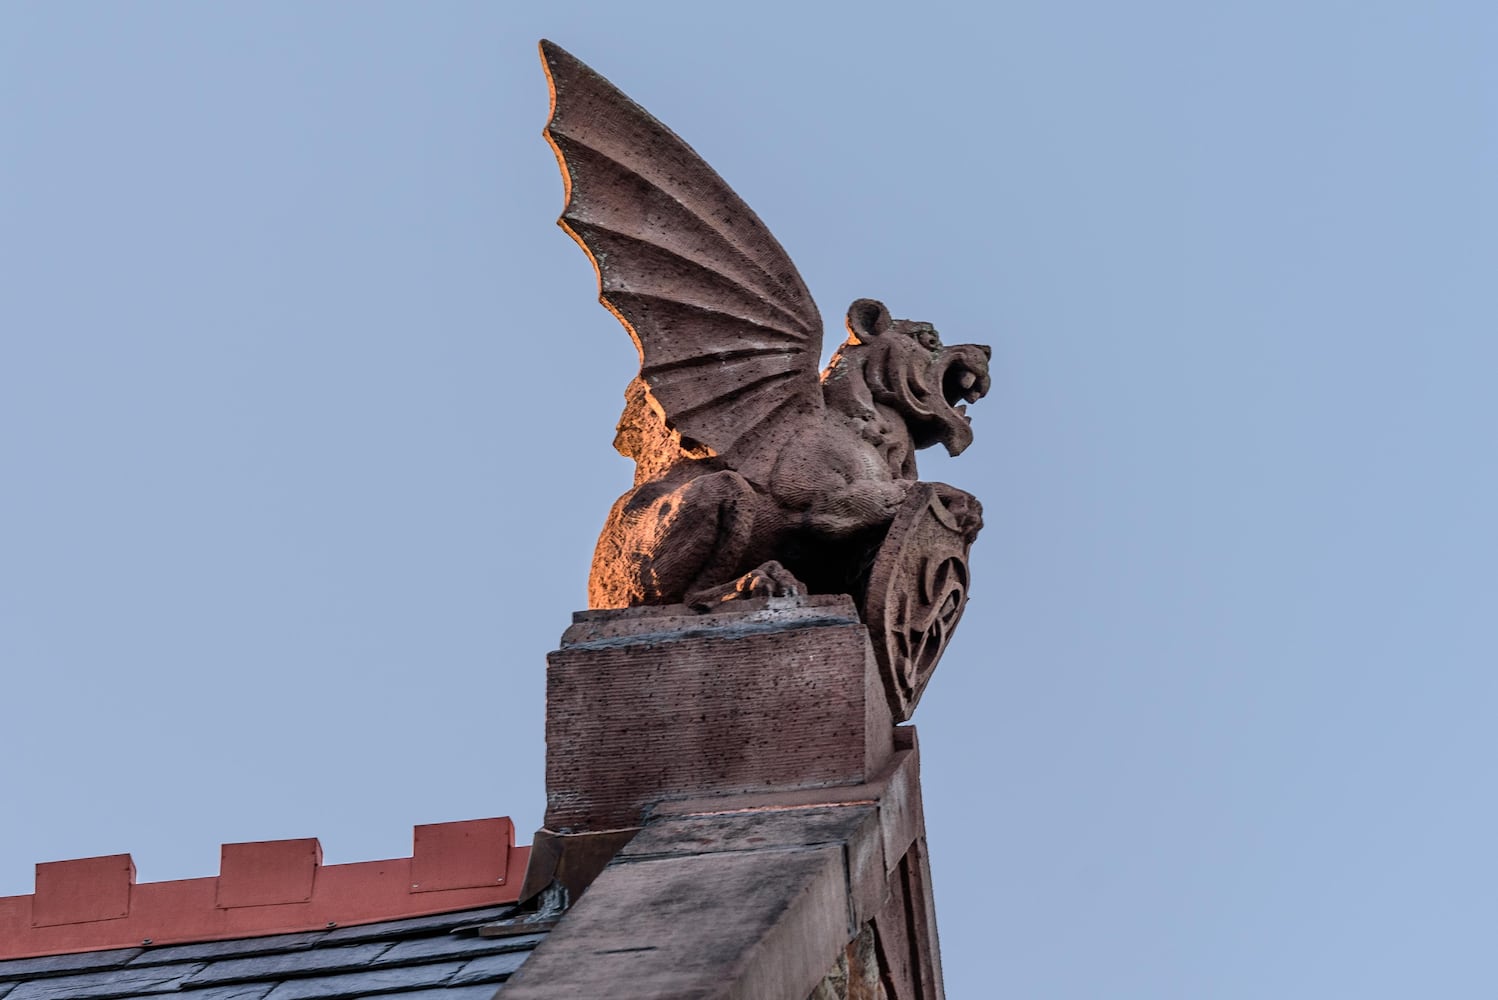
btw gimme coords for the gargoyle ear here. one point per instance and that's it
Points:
(867, 318)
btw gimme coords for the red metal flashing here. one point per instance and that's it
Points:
(88, 889)
(459, 855)
(268, 872)
(270, 887)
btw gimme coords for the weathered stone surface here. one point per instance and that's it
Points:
(756, 475)
(856, 975)
(756, 829)
(728, 925)
(906, 930)
(901, 817)
(647, 625)
(895, 791)
(633, 720)
(756, 900)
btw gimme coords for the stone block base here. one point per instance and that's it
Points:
(647, 705)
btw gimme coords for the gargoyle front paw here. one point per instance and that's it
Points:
(769, 580)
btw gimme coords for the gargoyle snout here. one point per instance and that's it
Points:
(965, 372)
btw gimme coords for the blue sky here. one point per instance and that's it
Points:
(306, 410)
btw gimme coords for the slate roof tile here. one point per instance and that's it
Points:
(238, 991)
(228, 949)
(485, 992)
(432, 949)
(294, 963)
(417, 925)
(52, 965)
(489, 968)
(105, 984)
(369, 982)
(423, 958)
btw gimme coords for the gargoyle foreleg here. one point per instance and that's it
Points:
(858, 506)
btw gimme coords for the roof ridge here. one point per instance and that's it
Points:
(263, 888)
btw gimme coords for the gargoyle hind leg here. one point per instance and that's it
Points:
(666, 546)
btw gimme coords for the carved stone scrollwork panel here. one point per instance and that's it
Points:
(918, 588)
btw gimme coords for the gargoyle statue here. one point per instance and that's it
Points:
(755, 475)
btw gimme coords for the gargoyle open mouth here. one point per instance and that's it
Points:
(961, 372)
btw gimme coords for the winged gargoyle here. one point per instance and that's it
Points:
(755, 474)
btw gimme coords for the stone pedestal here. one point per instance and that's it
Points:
(729, 804)
(652, 704)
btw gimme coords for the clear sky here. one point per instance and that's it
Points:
(306, 409)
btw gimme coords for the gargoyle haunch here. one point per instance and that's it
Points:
(756, 475)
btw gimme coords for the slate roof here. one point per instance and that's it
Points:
(466, 955)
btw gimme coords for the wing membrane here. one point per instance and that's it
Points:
(729, 336)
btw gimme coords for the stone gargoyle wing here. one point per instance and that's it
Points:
(728, 335)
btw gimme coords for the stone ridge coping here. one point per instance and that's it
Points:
(265, 887)
(754, 896)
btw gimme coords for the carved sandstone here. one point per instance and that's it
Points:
(755, 474)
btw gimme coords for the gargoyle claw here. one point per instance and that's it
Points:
(768, 580)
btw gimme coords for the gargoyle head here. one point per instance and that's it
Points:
(905, 368)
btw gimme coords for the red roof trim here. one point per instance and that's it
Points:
(270, 887)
